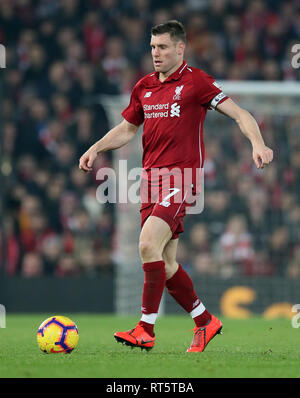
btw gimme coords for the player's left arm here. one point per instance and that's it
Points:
(262, 155)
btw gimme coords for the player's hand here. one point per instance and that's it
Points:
(87, 160)
(262, 155)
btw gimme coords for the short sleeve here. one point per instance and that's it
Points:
(208, 92)
(134, 112)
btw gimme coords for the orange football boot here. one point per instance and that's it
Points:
(136, 337)
(203, 334)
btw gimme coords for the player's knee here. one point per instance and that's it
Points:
(148, 251)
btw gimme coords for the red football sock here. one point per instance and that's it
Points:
(154, 284)
(148, 327)
(181, 287)
(202, 319)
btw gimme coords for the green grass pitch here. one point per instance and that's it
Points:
(252, 348)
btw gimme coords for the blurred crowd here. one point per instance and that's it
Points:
(251, 220)
(63, 54)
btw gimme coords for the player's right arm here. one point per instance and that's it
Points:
(117, 137)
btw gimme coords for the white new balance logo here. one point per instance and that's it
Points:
(175, 110)
(148, 94)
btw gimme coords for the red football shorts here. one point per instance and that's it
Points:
(166, 198)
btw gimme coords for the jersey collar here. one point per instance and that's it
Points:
(152, 80)
(175, 75)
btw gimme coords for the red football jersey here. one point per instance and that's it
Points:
(173, 114)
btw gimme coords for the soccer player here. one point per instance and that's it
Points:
(172, 103)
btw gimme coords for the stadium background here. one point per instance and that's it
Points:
(68, 62)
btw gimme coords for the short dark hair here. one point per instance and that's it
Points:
(173, 27)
